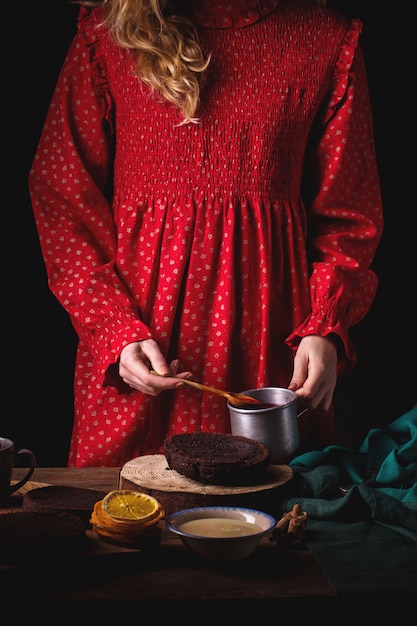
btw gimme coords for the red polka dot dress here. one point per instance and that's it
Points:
(226, 240)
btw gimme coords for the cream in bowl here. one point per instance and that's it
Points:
(223, 533)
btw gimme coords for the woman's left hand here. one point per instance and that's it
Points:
(315, 372)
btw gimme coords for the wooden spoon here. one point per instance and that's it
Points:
(237, 399)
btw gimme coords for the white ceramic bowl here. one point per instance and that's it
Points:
(225, 533)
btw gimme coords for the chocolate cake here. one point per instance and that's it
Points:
(75, 500)
(217, 459)
(25, 535)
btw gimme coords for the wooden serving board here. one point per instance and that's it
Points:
(28, 487)
(150, 474)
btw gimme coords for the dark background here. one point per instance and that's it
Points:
(38, 340)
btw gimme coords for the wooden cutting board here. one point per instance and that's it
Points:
(150, 474)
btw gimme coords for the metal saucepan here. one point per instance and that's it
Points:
(273, 422)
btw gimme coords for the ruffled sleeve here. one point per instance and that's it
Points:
(88, 27)
(343, 67)
(70, 184)
(345, 207)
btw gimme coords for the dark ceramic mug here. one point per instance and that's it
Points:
(9, 459)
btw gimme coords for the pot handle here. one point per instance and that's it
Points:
(302, 412)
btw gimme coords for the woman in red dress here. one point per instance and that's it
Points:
(207, 199)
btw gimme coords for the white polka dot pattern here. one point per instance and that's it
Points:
(203, 239)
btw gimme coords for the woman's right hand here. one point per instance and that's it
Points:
(139, 358)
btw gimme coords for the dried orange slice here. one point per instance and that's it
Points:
(128, 505)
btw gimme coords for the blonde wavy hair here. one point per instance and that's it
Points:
(165, 42)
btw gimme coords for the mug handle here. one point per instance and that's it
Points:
(32, 460)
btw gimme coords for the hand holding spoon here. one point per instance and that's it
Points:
(237, 399)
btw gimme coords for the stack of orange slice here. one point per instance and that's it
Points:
(129, 518)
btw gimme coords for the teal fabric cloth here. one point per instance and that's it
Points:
(364, 540)
(364, 561)
(392, 451)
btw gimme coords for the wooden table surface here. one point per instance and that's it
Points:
(168, 572)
